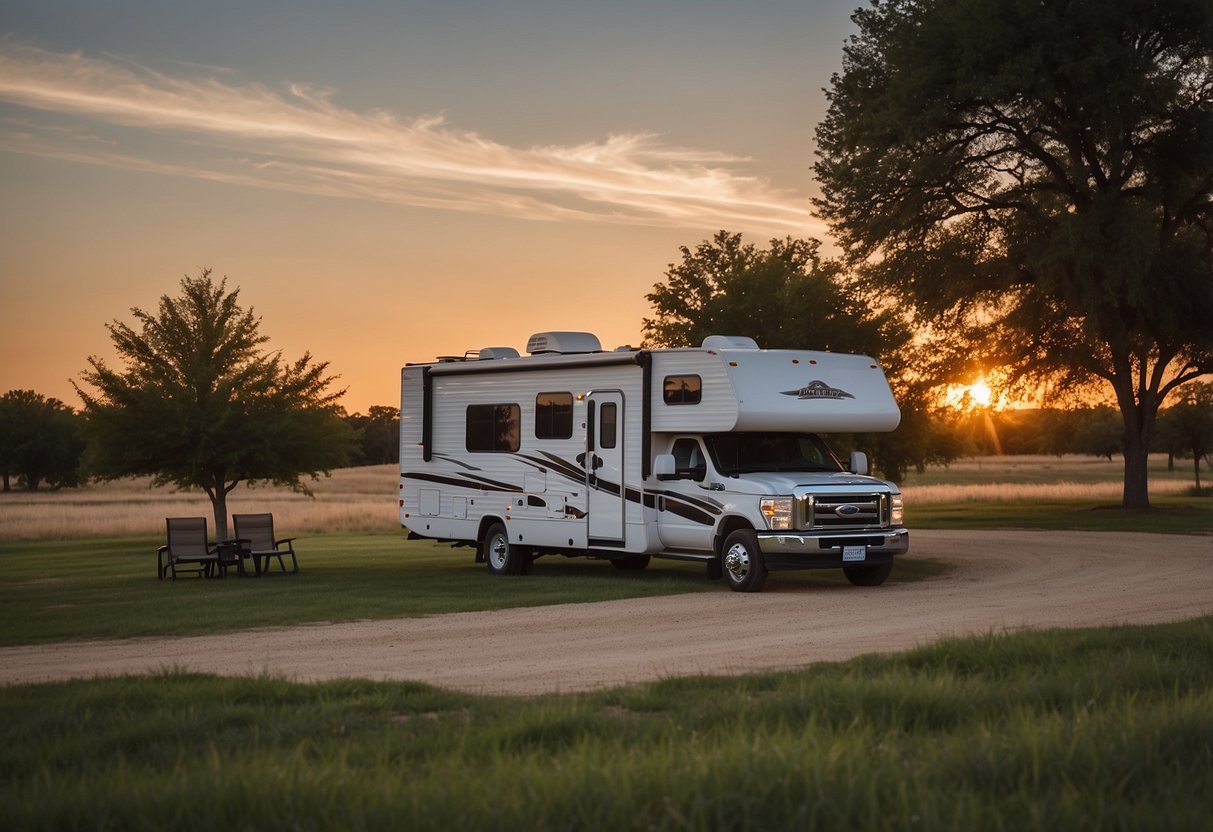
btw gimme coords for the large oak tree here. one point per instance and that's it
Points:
(201, 404)
(1034, 177)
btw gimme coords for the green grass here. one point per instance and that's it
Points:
(56, 590)
(1087, 729)
(1168, 515)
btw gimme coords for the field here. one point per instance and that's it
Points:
(1092, 729)
(362, 499)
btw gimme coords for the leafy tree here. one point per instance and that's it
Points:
(789, 297)
(378, 434)
(201, 404)
(784, 297)
(1035, 178)
(40, 440)
(1187, 427)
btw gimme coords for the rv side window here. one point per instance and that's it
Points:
(682, 389)
(554, 416)
(607, 425)
(493, 428)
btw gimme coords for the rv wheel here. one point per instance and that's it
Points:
(742, 562)
(503, 557)
(868, 575)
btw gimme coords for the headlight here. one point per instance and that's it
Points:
(777, 511)
(897, 510)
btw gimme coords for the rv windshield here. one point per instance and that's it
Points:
(742, 453)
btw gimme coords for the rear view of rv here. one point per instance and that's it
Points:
(710, 454)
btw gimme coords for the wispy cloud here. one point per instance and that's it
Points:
(301, 140)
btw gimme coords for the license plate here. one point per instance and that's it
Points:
(854, 554)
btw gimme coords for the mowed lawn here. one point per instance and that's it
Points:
(1085, 729)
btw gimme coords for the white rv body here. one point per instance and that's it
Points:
(636, 453)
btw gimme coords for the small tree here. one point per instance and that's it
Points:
(1187, 427)
(40, 440)
(201, 404)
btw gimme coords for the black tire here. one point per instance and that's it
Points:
(742, 563)
(868, 575)
(501, 556)
(631, 563)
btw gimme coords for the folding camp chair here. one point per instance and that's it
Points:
(187, 549)
(257, 532)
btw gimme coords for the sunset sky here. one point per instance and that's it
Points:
(390, 181)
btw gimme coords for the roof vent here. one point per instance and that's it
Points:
(487, 353)
(563, 342)
(729, 342)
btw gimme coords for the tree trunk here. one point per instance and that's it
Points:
(1139, 414)
(1137, 486)
(1196, 465)
(218, 495)
(7, 486)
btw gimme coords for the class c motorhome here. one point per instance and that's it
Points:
(707, 454)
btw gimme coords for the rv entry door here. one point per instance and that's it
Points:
(604, 469)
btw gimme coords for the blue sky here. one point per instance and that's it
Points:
(390, 181)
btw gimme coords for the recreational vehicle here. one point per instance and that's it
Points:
(708, 454)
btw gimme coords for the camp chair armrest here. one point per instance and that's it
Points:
(287, 540)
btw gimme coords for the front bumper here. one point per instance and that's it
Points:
(818, 550)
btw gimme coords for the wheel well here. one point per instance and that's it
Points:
(485, 522)
(727, 526)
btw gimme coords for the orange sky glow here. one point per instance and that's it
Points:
(385, 186)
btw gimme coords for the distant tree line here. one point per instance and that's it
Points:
(43, 444)
(378, 435)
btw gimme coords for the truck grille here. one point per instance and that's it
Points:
(842, 511)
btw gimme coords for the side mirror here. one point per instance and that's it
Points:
(663, 467)
(859, 462)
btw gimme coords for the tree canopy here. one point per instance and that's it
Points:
(1035, 177)
(200, 403)
(784, 297)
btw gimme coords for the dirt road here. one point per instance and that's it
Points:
(1003, 580)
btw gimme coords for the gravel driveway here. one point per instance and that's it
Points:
(1001, 580)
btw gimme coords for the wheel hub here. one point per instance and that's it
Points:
(737, 561)
(497, 550)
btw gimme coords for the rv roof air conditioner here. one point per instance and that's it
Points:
(563, 342)
(488, 353)
(729, 342)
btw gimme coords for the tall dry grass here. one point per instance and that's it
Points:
(364, 499)
(351, 500)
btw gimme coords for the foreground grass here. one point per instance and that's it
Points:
(57, 590)
(1093, 729)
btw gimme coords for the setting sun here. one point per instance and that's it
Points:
(979, 393)
(974, 396)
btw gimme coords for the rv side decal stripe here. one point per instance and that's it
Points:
(560, 466)
(479, 485)
(711, 506)
(689, 512)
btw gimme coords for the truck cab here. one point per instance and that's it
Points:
(787, 496)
